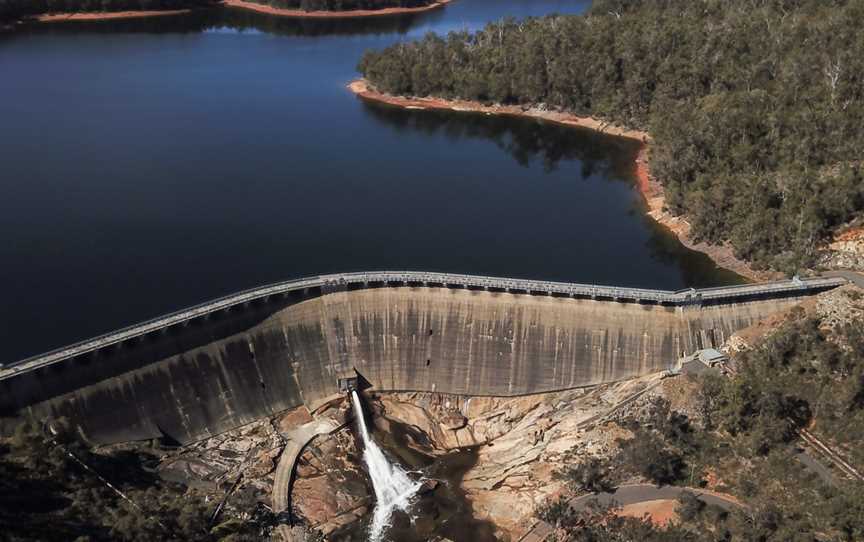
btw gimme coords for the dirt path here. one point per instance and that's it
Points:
(661, 512)
(650, 188)
(638, 493)
(637, 499)
(298, 438)
(299, 13)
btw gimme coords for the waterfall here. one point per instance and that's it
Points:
(393, 488)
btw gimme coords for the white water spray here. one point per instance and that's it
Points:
(393, 488)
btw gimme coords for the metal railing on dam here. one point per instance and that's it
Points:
(335, 282)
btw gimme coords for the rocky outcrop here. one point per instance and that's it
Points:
(330, 490)
(523, 441)
(247, 454)
(840, 307)
(846, 251)
(833, 309)
(451, 422)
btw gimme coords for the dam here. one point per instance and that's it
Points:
(219, 365)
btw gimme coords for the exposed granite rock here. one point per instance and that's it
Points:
(297, 533)
(846, 251)
(293, 418)
(833, 308)
(330, 490)
(523, 441)
(840, 306)
(215, 464)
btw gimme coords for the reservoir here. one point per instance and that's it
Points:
(151, 164)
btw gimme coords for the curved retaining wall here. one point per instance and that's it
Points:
(226, 363)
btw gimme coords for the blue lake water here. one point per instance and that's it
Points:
(155, 163)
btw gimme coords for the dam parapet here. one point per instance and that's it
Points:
(221, 364)
(324, 284)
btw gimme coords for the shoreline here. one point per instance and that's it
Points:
(651, 190)
(655, 199)
(300, 14)
(106, 15)
(238, 4)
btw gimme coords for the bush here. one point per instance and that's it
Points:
(648, 455)
(590, 475)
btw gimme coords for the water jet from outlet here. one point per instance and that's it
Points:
(393, 488)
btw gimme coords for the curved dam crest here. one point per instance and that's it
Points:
(223, 364)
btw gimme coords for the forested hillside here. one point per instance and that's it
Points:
(739, 433)
(46, 493)
(755, 106)
(14, 9)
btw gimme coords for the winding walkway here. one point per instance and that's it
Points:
(854, 277)
(298, 438)
(633, 494)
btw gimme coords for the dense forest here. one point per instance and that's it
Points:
(801, 375)
(50, 490)
(755, 106)
(14, 9)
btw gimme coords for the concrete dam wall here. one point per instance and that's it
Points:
(220, 365)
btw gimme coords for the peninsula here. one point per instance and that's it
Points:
(748, 170)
